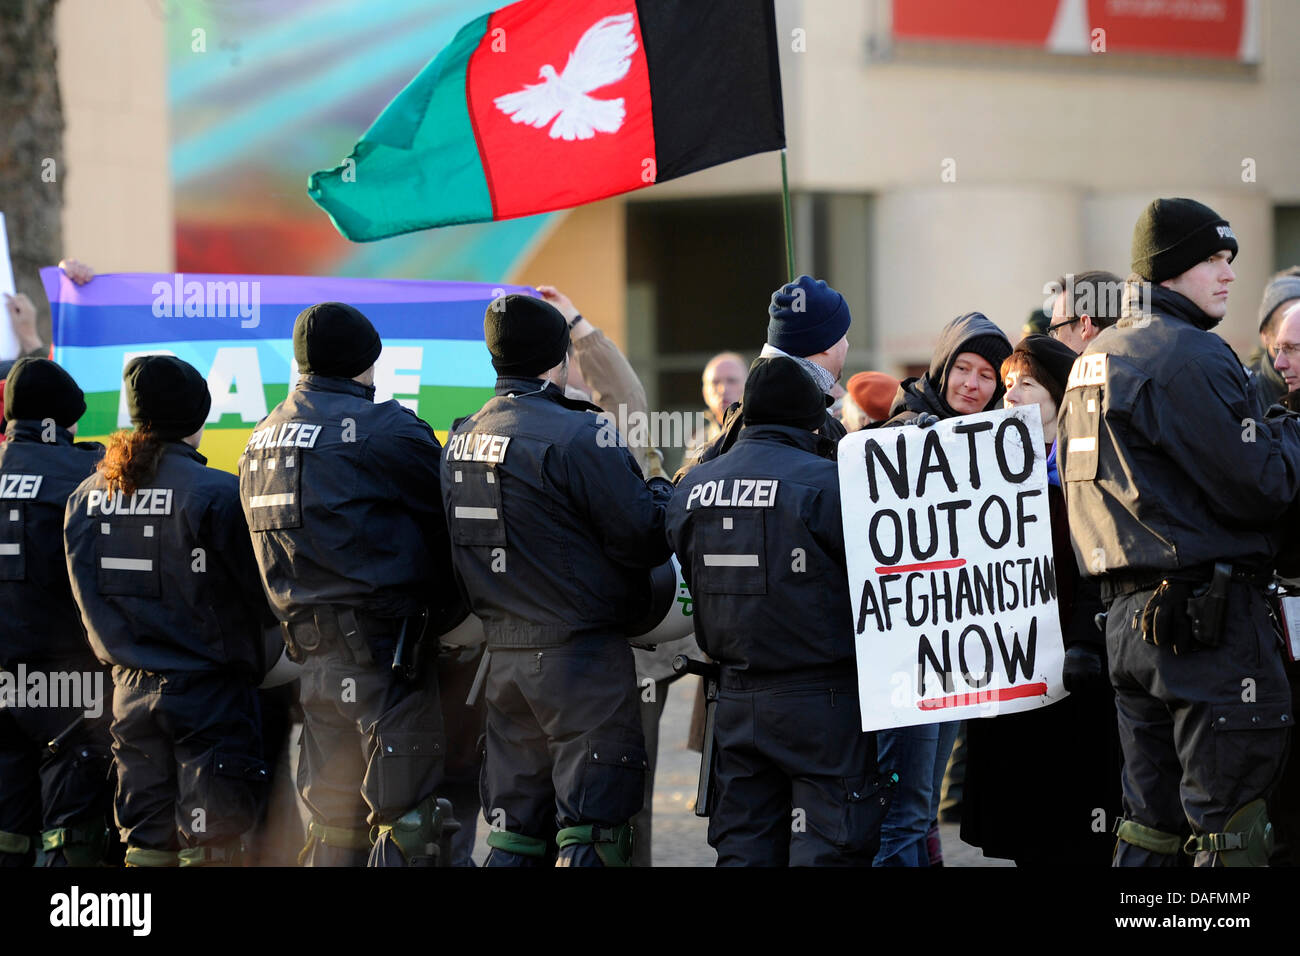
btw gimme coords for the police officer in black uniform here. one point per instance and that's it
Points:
(54, 757)
(760, 541)
(1174, 490)
(553, 530)
(342, 498)
(163, 572)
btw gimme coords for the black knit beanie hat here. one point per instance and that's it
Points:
(994, 349)
(1054, 358)
(1172, 235)
(37, 389)
(166, 396)
(526, 336)
(779, 392)
(334, 339)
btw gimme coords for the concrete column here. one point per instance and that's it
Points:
(941, 251)
(117, 197)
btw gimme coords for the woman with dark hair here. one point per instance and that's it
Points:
(162, 569)
(1043, 786)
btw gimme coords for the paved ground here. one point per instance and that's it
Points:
(679, 835)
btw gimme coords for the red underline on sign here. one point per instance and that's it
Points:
(984, 696)
(923, 566)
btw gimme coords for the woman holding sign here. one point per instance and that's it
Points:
(1042, 786)
(962, 380)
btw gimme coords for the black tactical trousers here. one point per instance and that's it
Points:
(796, 777)
(1204, 732)
(564, 744)
(189, 758)
(72, 787)
(372, 742)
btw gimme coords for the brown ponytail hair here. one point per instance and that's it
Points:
(131, 460)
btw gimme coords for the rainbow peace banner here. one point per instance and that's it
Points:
(237, 330)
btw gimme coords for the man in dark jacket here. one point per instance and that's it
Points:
(163, 573)
(554, 530)
(342, 499)
(1174, 490)
(808, 321)
(1087, 304)
(61, 791)
(759, 538)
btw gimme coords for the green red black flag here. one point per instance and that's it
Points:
(547, 104)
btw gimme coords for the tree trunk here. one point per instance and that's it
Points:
(31, 144)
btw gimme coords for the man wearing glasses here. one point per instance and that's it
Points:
(1286, 346)
(1086, 304)
(1281, 293)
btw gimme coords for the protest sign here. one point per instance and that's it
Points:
(951, 570)
(237, 330)
(8, 341)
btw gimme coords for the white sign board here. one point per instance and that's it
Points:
(1291, 621)
(951, 571)
(8, 341)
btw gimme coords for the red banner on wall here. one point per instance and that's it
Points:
(1217, 29)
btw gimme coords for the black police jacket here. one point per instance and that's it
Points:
(761, 545)
(165, 576)
(1164, 463)
(552, 523)
(40, 618)
(341, 495)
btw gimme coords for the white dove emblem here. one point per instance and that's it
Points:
(603, 56)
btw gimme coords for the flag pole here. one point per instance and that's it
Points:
(785, 215)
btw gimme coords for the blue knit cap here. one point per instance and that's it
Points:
(807, 317)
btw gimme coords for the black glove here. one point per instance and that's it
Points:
(925, 420)
(1082, 668)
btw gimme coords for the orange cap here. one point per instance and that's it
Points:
(874, 393)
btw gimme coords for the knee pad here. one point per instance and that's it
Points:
(1246, 840)
(518, 844)
(613, 845)
(143, 856)
(85, 844)
(1148, 838)
(339, 838)
(422, 834)
(220, 854)
(16, 843)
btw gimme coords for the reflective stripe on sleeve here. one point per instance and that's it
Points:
(731, 560)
